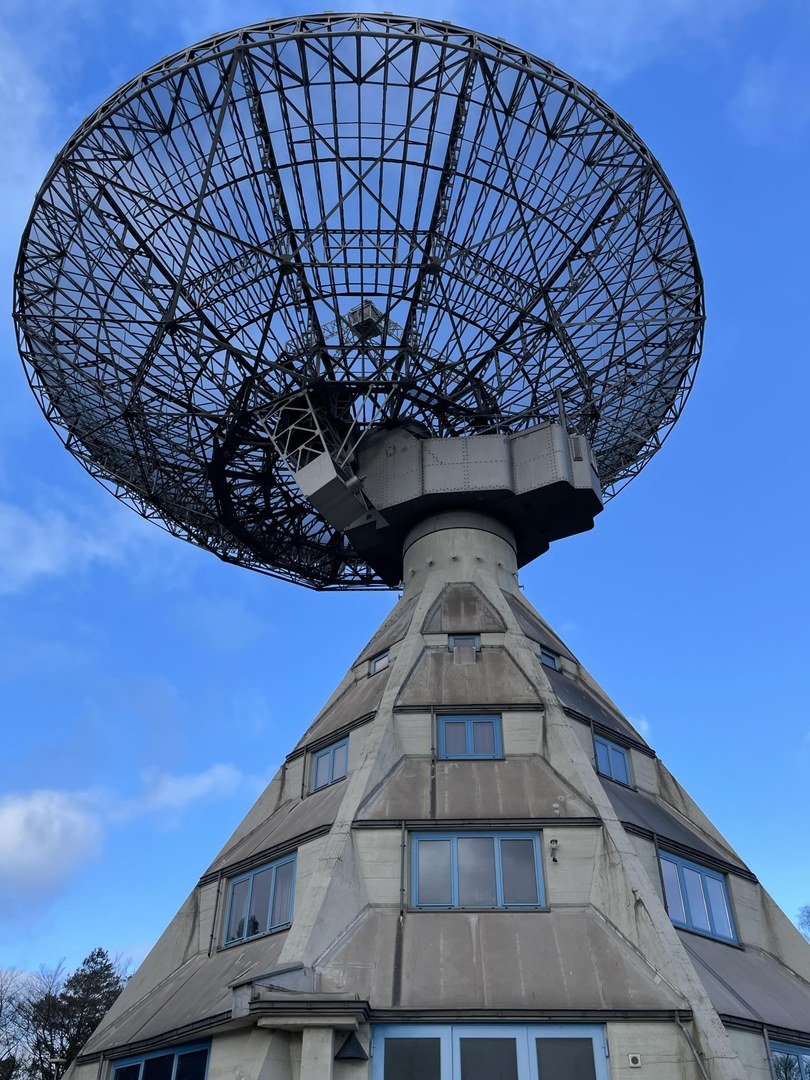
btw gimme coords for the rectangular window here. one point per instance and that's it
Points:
(477, 870)
(790, 1062)
(185, 1063)
(260, 901)
(697, 898)
(470, 736)
(612, 760)
(549, 658)
(489, 1052)
(378, 663)
(329, 764)
(467, 641)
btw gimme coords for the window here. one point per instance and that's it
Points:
(260, 901)
(484, 1051)
(549, 658)
(470, 737)
(790, 1062)
(611, 760)
(697, 898)
(477, 870)
(464, 641)
(378, 663)
(185, 1063)
(329, 764)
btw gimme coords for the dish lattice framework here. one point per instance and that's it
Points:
(333, 223)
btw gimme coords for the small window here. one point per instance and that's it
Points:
(464, 641)
(477, 870)
(329, 764)
(790, 1062)
(378, 663)
(470, 737)
(611, 760)
(697, 898)
(261, 901)
(185, 1063)
(550, 659)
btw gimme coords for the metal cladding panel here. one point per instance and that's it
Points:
(513, 788)
(541, 453)
(534, 628)
(494, 679)
(644, 811)
(197, 991)
(750, 984)
(290, 820)
(392, 630)
(462, 609)
(359, 699)
(574, 696)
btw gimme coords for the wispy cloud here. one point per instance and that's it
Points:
(772, 104)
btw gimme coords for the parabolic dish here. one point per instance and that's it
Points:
(376, 219)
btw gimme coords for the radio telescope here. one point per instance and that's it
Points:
(284, 247)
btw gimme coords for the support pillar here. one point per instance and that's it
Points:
(317, 1053)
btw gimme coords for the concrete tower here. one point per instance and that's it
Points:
(362, 300)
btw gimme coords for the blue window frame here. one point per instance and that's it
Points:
(260, 901)
(329, 764)
(378, 663)
(790, 1062)
(549, 658)
(697, 898)
(612, 760)
(476, 870)
(181, 1063)
(469, 641)
(470, 736)
(481, 1051)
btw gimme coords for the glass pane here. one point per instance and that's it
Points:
(602, 759)
(340, 761)
(236, 920)
(488, 1059)
(455, 738)
(698, 915)
(518, 868)
(618, 764)
(191, 1066)
(484, 738)
(409, 1059)
(127, 1072)
(672, 888)
(435, 886)
(321, 770)
(565, 1059)
(476, 872)
(785, 1066)
(259, 902)
(379, 663)
(158, 1068)
(718, 903)
(282, 897)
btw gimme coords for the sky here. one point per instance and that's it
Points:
(148, 692)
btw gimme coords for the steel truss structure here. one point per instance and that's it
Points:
(296, 233)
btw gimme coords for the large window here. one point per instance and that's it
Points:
(488, 1051)
(329, 764)
(470, 737)
(184, 1063)
(260, 901)
(476, 870)
(611, 760)
(697, 898)
(790, 1062)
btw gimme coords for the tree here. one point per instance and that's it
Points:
(10, 987)
(804, 920)
(57, 1014)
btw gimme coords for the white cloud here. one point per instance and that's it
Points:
(772, 104)
(45, 838)
(163, 792)
(642, 726)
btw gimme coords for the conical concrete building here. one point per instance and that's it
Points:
(471, 866)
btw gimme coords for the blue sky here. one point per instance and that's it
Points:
(148, 692)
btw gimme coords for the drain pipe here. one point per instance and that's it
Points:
(692, 1047)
